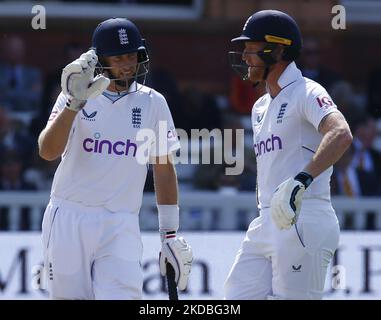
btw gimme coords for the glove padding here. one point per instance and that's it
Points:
(286, 203)
(77, 80)
(179, 254)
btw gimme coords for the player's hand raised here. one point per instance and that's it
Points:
(287, 199)
(78, 82)
(179, 254)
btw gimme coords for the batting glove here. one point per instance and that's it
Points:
(78, 82)
(179, 254)
(287, 199)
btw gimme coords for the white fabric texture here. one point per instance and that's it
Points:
(286, 136)
(103, 163)
(289, 264)
(91, 253)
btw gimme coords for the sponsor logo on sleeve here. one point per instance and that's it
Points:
(324, 102)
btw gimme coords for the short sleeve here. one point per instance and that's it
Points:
(318, 104)
(58, 107)
(166, 140)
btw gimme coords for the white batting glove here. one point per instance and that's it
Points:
(78, 82)
(287, 200)
(179, 254)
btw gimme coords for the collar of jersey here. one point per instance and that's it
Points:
(115, 96)
(289, 75)
(133, 85)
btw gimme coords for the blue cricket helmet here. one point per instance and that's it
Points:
(117, 36)
(273, 27)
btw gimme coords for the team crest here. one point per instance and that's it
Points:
(136, 117)
(282, 110)
(123, 38)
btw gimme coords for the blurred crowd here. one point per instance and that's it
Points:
(27, 96)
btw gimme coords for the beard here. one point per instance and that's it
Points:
(121, 83)
(256, 74)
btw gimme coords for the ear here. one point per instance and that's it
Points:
(278, 52)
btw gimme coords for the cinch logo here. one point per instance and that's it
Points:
(268, 145)
(100, 146)
(172, 135)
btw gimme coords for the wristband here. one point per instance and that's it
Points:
(304, 178)
(168, 220)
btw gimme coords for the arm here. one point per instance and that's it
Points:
(165, 180)
(286, 201)
(78, 84)
(53, 139)
(175, 250)
(337, 138)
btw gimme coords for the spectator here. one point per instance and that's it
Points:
(163, 81)
(198, 110)
(344, 180)
(374, 93)
(213, 176)
(13, 136)
(52, 88)
(243, 95)
(11, 171)
(41, 173)
(350, 181)
(312, 67)
(366, 158)
(346, 100)
(20, 85)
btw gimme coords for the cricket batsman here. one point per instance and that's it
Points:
(90, 231)
(298, 135)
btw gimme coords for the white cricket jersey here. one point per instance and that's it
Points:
(286, 134)
(100, 165)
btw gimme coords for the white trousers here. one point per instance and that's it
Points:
(91, 253)
(285, 264)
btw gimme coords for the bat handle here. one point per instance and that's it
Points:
(171, 282)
